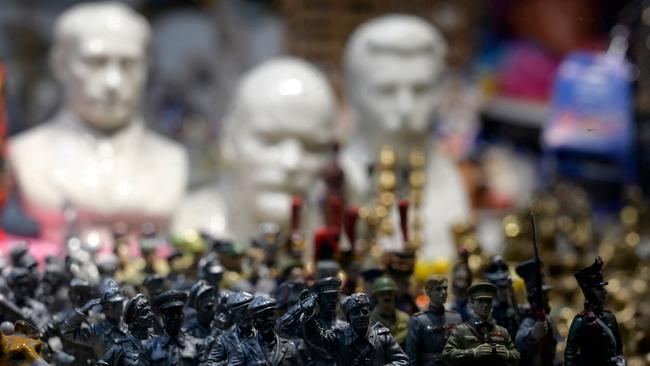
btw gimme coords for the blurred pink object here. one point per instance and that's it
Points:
(527, 72)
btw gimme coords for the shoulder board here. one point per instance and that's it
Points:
(380, 328)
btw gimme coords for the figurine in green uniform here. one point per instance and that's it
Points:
(593, 338)
(428, 331)
(385, 291)
(479, 341)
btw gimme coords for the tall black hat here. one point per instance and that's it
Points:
(591, 276)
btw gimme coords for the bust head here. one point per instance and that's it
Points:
(392, 65)
(99, 56)
(276, 136)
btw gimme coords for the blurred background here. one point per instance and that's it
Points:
(510, 117)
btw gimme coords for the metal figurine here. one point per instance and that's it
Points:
(22, 305)
(535, 338)
(228, 346)
(385, 312)
(480, 341)
(428, 331)
(203, 300)
(138, 316)
(154, 286)
(174, 347)
(506, 310)
(103, 335)
(461, 281)
(53, 289)
(266, 347)
(594, 338)
(358, 343)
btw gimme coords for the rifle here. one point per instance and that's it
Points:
(540, 314)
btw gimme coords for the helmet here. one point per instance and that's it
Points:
(384, 283)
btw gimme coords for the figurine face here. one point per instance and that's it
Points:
(173, 320)
(482, 307)
(144, 316)
(103, 71)
(600, 294)
(207, 306)
(245, 322)
(327, 301)
(359, 318)
(265, 321)
(438, 295)
(278, 136)
(386, 301)
(113, 310)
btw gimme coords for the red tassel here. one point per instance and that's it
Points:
(296, 208)
(404, 219)
(350, 223)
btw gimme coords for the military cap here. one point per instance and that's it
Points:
(239, 300)
(527, 271)
(112, 294)
(384, 284)
(17, 251)
(262, 303)
(328, 285)
(434, 281)
(199, 289)
(153, 280)
(170, 299)
(132, 305)
(18, 274)
(482, 290)
(591, 276)
(354, 301)
(497, 272)
(327, 268)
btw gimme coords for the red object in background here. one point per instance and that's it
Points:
(3, 138)
(325, 243)
(296, 208)
(404, 218)
(350, 225)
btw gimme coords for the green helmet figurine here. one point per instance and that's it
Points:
(384, 284)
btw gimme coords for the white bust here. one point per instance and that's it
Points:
(392, 67)
(274, 144)
(96, 154)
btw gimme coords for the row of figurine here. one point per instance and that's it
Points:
(300, 323)
(98, 156)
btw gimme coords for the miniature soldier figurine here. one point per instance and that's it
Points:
(103, 335)
(593, 338)
(479, 341)
(266, 347)
(385, 312)
(23, 306)
(358, 343)
(228, 346)
(203, 300)
(173, 347)
(461, 280)
(505, 311)
(532, 329)
(428, 331)
(127, 350)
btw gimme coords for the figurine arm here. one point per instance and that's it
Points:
(218, 355)
(524, 340)
(453, 353)
(412, 342)
(394, 354)
(513, 354)
(318, 338)
(571, 351)
(74, 330)
(617, 335)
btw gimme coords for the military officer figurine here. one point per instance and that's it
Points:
(479, 341)
(203, 300)
(535, 339)
(358, 343)
(506, 310)
(103, 335)
(173, 347)
(385, 291)
(126, 351)
(266, 348)
(593, 338)
(228, 346)
(428, 331)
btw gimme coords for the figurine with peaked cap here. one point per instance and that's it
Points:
(359, 343)
(594, 338)
(203, 300)
(138, 316)
(428, 331)
(23, 306)
(461, 280)
(384, 291)
(479, 341)
(174, 347)
(505, 311)
(534, 332)
(228, 346)
(267, 347)
(103, 335)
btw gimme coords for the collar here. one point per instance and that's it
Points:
(480, 324)
(437, 310)
(166, 339)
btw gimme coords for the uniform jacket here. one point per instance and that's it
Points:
(163, 350)
(588, 343)
(427, 334)
(126, 351)
(283, 353)
(398, 325)
(459, 349)
(528, 346)
(100, 336)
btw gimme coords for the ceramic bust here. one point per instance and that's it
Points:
(274, 143)
(392, 66)
(96, 154)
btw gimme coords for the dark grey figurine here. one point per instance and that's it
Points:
(101, 336)
(138, 316)
(357, 343)
(506, 311)
(202, 323)
(228, 346)
(21, 304)
(266, 347)
(428, 331)
(174, 347)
